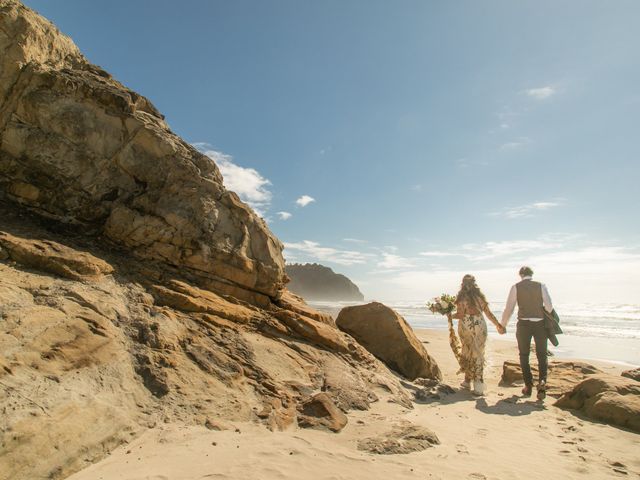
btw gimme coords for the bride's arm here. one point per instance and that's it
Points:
(492, 317)
(459, 311)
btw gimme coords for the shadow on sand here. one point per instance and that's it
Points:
(512, 406)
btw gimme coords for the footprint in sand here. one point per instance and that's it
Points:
(619, 468)
(462, 449)
(482, 432)
(477, 476)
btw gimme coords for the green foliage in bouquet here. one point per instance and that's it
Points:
(444, 304)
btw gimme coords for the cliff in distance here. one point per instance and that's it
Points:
(134, 288)
(316, 282)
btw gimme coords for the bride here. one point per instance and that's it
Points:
(472, 329)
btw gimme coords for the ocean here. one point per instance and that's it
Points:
(609, 332)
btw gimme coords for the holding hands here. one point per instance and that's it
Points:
(501, 330)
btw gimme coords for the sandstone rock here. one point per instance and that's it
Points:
(320, 412)
(138, 347)
(389, 337)
(613, 400)
(79, 147)
(53, 258)
(402, 439)
(632, 374)
(561, 376)
(150, 294)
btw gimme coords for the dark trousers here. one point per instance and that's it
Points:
(525, 330)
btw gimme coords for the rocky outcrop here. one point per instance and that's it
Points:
(317, 282)
(96, 346)
(79, 147)
(135, 289)
(320, 412)
(562, 375)
(632, 374)
(607, 398)
(387, 335)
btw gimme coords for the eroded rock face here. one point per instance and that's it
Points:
(633, 374)
(79, 147)
(321, 413)
(96, 346)
(562, 375)
(611, 399)
(387, 335)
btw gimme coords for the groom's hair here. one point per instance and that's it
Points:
(525, 272)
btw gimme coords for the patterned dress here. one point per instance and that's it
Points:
(472, 330)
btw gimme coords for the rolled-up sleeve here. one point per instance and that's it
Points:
(546, 299)
(510, 306)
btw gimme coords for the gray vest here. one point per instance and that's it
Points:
(529, 299)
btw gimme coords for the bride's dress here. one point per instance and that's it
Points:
(472, 330)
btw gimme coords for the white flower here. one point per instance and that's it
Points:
(444, 304)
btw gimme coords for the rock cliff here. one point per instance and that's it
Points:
(79, 147)
(316, 282)
(134, 288)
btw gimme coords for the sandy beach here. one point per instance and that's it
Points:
(498, 436)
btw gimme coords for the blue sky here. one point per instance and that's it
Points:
(434, 138)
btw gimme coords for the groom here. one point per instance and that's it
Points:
(531, 297)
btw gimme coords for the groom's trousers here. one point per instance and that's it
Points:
(525, 331)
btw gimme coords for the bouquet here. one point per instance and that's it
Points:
(444, 304)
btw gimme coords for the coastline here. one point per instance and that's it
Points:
(498, 436)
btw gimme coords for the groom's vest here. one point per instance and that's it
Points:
(529, 299)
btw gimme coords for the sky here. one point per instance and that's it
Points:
(406, 143)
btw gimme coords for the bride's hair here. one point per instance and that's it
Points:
(470, 293)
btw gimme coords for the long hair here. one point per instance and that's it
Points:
(470, 293)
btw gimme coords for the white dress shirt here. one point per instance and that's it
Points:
(512, 300)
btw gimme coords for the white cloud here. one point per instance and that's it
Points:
(438, 253)
(284, 215)
(541, 93)
(305, 200)
(491, 250)
(354, 240)
(515, 144)
(391, 261)
(251, 187)
(591, 274)
(416, 188)
(314, 251)
(528, 210)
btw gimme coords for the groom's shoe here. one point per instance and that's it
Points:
(542, 389)
(526, 390)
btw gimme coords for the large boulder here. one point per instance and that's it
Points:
(383, 332)
(610, 399)
(79, 147)
(562, 375)
(633, 374)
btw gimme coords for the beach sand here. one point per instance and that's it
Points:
(498, 436)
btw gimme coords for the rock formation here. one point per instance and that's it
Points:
(317, 282)
(79, 147)
(387, 335)
(135, 289)
(610, 399)
(563, 375)
(633, 374)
